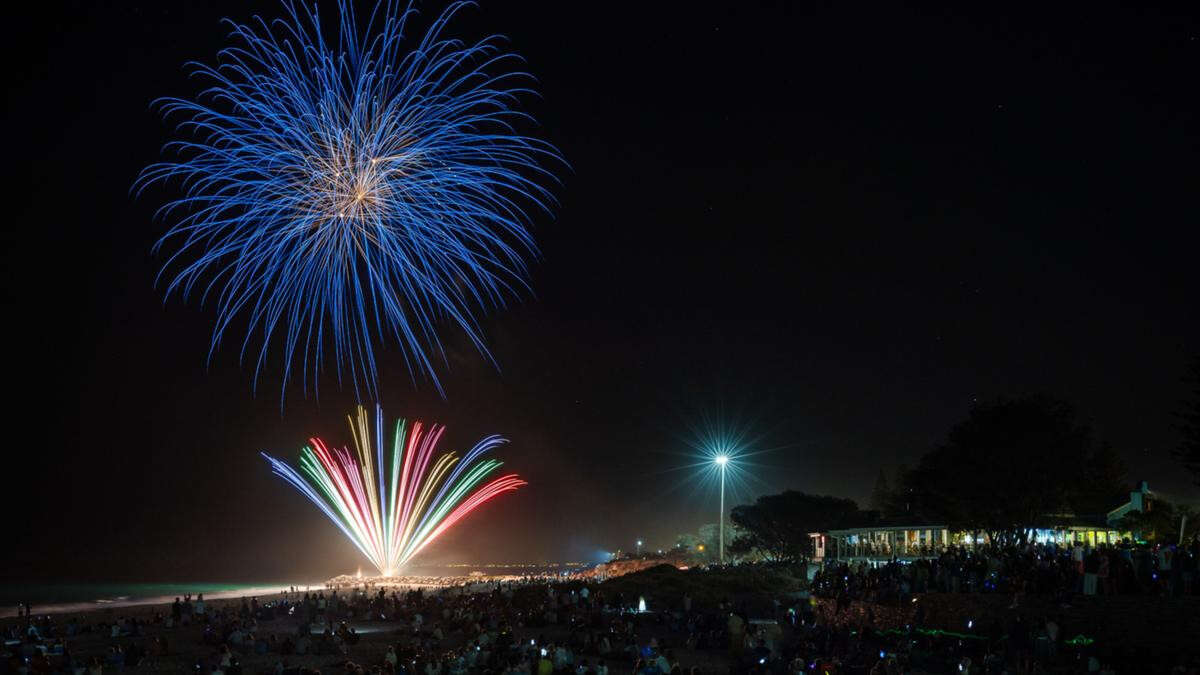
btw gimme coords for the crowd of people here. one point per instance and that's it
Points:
(581, 627)
(1032, 569)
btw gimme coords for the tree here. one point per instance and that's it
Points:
(778, 526)
(710, 538)
(900, 499)
(687, 541)
(1105, 482)
(1188, 452)
(1160, 522)
(1003, 468)
(881, 496)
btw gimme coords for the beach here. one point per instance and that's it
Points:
(185, 646)
(119, 601)
(463, 620)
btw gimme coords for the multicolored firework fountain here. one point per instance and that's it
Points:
(393, 510)
(346, 185)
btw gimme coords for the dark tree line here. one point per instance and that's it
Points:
(777, 526)
(1008, 466)
(1188, 416)
(1011, 463)
(1002, 470)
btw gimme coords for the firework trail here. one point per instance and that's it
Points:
(391, 510)
(351, 189)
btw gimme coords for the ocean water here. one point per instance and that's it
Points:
(55, 598)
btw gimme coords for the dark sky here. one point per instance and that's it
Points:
(833, 228)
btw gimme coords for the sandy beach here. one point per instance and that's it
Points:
(128, 604)
(185, 646)
(264, 592)
(444, 633)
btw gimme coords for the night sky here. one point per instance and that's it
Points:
(833, 229)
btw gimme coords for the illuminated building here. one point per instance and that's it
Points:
(893, 538)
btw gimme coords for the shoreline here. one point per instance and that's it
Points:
(9, 611)
(264, 591)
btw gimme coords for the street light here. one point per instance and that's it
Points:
(721, 461)
(639, 546)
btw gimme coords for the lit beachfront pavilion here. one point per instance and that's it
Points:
(884, 540)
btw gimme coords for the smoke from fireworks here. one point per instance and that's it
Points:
(353, 189)
(392, 510)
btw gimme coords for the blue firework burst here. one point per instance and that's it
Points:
(342, 192)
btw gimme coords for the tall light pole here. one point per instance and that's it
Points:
(721, 461)
(639, 547)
